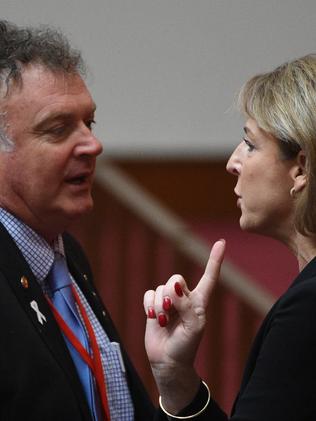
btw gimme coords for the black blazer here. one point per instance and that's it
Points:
(279, 382)
(38, 380)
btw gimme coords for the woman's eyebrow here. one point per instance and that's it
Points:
(246, 130)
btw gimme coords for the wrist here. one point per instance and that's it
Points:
(196, 408)
(177, 387)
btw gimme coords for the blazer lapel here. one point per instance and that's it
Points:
(31, 298)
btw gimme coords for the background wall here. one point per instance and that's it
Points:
(164, 73)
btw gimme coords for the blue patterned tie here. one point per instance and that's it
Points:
(64, 302)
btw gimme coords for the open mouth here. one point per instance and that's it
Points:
(77, 180)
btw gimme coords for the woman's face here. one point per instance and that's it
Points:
(264, 183)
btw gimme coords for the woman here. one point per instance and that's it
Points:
(275, 165)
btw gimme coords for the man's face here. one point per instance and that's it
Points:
(46, 179)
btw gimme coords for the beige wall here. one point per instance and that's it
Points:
(164, 72)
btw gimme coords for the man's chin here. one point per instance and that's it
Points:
(78, 210)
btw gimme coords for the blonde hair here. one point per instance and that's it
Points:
(283, 103)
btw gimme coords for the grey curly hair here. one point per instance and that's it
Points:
(21, 46)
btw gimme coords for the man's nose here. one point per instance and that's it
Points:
(96, 146)
(89, 145)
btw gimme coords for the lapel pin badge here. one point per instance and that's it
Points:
(40, 316)
(24, 282)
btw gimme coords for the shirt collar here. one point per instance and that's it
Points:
(35, 249)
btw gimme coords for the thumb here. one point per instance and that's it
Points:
(212, 270)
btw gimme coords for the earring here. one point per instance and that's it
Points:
(292, 192)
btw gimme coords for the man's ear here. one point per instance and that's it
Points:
(299, 174)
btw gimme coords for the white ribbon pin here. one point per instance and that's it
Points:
(40, 316)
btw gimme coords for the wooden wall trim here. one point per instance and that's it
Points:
(192, 188)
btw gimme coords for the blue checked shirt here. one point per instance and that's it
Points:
(40, 256)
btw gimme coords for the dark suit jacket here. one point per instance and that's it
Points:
(279, 382)
(38, 380)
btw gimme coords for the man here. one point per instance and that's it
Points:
(47, 160)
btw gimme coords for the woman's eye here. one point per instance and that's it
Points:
(249, 145)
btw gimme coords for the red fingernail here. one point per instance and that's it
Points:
(166, 305)
(178, 289)
(162, 320)
(151, 313)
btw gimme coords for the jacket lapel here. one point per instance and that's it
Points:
(31, 298)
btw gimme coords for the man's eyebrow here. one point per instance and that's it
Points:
(61, 116)
(51, 118)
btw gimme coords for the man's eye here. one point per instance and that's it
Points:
(54, 133)
(249, 145)
(90, 124)
(57, 130)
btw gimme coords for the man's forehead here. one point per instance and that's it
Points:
(44, 77)
(41, 86)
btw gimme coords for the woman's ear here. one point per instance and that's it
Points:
(299, 172)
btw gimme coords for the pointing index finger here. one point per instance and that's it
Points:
(212, 270)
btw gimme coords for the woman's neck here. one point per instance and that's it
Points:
(304, 248)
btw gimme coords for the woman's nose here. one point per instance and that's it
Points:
(233, 165)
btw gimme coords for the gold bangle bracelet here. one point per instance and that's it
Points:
(188, 416)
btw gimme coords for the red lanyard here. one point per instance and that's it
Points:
(93, 362)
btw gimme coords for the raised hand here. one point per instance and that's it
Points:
(176, 318)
